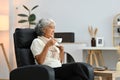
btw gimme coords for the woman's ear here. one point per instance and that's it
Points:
(43, 31)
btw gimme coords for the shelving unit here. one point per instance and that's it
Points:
(116, 34)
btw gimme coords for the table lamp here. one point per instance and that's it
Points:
(4, 25)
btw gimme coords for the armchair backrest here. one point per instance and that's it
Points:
(22, 41)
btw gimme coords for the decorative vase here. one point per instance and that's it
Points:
(93, 42)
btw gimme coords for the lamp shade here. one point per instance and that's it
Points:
(4, 22)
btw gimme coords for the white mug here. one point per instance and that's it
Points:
(58, 41)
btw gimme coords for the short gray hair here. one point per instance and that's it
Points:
(42, 24)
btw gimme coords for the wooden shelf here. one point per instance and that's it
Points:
(115, 34)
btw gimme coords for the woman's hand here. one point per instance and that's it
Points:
(51, 42)
(61, 48)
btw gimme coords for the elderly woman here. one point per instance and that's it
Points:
(46, 52)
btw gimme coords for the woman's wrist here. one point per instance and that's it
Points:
(46, 46)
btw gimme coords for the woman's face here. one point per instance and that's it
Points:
(49, 30)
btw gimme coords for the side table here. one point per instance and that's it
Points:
(107, 74)
(95, 56)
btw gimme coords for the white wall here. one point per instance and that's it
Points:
(76, 15)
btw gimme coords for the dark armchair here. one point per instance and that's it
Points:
(26, 67)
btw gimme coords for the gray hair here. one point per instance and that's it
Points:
(42, 24)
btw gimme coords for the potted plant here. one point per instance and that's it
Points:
(31, 17)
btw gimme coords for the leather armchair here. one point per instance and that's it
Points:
(26, 67)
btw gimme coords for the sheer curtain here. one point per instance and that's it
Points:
(11, 31)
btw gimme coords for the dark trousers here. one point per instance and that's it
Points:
(71, 71)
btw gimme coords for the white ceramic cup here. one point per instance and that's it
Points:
(58, 41)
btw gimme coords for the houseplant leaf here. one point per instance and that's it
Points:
(22, 21)
(34, 7)
(26, 8)
(32, 17)
(32, 23)
(23, 15)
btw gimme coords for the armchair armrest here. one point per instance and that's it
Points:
(33, 72)
(88, 70)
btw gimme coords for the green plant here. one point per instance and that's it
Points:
(31, 17)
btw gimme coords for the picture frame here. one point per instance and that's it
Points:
(99, 41)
